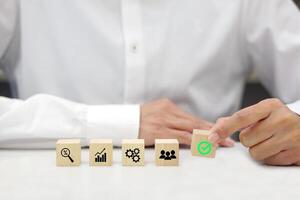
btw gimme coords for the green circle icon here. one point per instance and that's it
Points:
(204, 148)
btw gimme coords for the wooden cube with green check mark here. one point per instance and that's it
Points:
(200, 145)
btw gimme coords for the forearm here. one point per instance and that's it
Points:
(42, 119)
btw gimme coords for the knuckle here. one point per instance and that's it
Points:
(244, 140)
(166, 103)
(221, 121)
(273, 102)
(221, 128)
(240, 116)
(254, 154)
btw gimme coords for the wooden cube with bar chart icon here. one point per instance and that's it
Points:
(166, 152)
(133, 151)
(101, 152)
(200, 144)
(68, 152)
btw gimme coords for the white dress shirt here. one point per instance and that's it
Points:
(111, 56)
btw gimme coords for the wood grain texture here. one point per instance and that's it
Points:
(201, 137)
(68, 152)
(133, 152)
(166, 152)
(101, 152)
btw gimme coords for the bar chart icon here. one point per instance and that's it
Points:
(100, 157)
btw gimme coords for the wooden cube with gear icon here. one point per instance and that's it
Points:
(101, 152)
(68, 152)
(166, 152)
(133, 151)
(200, 144)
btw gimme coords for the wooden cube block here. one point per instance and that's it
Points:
(166, 152)
(200, 145)
(101, 152)
(133, 151)
(68, 152)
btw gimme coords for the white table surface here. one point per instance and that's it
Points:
(32, 174)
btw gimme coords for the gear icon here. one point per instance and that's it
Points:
(129, 153)
(133, 154)
(136, 158)
(136, 151)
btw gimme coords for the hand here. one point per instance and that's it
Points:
(269, 129)
(162, 119)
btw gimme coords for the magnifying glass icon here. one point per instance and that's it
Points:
(65, 152)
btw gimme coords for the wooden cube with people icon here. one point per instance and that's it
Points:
(101, 152)
(200, 145)
(68, 152)
(133, 151)
(166, 152)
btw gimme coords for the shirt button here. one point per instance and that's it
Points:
(134, 48)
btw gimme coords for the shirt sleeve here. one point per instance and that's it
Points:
(271, 32)
(8, 13)
(42, 119)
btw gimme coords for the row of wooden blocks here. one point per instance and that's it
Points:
(68, 151)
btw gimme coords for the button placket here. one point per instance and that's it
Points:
(134, 52)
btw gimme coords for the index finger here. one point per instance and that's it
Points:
(244, 118)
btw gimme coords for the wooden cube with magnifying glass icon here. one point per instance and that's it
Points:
(68, 152)
(166, 152)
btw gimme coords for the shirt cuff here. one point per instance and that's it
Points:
(295, 107)
(113, 122)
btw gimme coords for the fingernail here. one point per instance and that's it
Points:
(214, 138)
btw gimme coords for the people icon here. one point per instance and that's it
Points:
(173, 155)
(167, 155)
(162, 154)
